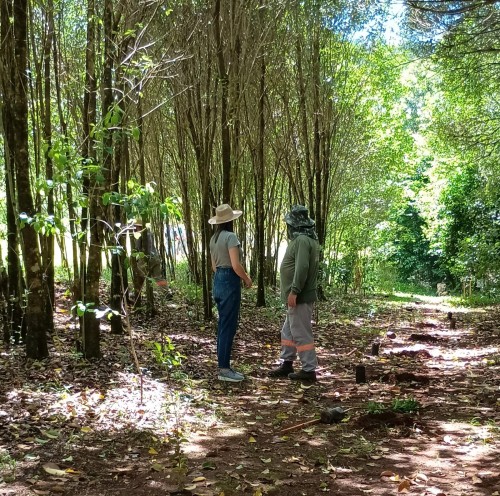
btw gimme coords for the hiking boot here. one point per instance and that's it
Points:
(302, 375)
(282, 371)
(230, 375)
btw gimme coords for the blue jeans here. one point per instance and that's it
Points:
(227, 296)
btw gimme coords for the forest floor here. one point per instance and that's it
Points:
(426, 422)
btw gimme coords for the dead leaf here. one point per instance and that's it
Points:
(421, 477)
(72, 471)
(404, 486)
(435, 491)
(387, 473)
(53, 469)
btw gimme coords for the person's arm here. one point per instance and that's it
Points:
(302, 255)
(234, 254)
(214, 268)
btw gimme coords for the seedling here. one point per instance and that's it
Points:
(406, 405)
(375, 407)
(165, 354)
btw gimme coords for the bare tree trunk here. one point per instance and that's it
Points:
(47, 241)
(146, 236)
(224, 81)
(7, 71)
(91, 267)
(112, 114)
(260, 180)
(38, 320)
(76, 287)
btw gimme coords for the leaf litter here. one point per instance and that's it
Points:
(79, 428)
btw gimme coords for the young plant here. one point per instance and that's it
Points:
(405, 405)
(165, 354)
(375, 407)
(7, 467)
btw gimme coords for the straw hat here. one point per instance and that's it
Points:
(224, 213)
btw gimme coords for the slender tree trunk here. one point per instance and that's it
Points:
(48, 240)
(38, 320)
(91, 266)
(76, 288)
(225, 132)
(111, 113)
(146, 234)
(16, 323)
(260, 179)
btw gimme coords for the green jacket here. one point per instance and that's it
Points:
(299, 269)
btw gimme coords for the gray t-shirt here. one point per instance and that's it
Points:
(220, 250)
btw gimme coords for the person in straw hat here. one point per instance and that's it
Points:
(225, 252)
(298, 283)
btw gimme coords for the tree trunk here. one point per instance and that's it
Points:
(38, 319)
(224, 81)
(91, 267)
(110, 115)
(7, 71)
(47, 241)
(260, 179)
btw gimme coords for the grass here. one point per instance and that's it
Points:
(477, 300)
(399, 405)
(375, 407)
(406, 288)
(405, 405)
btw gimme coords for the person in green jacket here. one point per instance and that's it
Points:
(298, 284)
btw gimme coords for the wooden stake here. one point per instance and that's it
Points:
(301, 426)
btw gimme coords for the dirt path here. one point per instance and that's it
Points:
(426, 422)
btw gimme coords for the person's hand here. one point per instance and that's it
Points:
(248, 283)
(292, 300)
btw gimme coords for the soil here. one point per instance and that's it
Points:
(425, 422)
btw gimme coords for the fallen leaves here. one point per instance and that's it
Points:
(53, 469)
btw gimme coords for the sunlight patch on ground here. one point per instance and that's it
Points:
(226, 431)
(115, 408)
(440, 303)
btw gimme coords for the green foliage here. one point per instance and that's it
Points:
(166, 354)
(405, 405)
(8, 466)
(400, 405)
(184, 286)
(142, 201)
(43, 224)
(471, 235)
(83, 308)
(412, 255)
(375, 407)
(479, 299)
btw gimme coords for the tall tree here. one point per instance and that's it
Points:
(91, 255)
(37, 317)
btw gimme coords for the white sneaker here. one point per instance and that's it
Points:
(230, 375)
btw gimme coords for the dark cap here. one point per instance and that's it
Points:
(299, 217)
